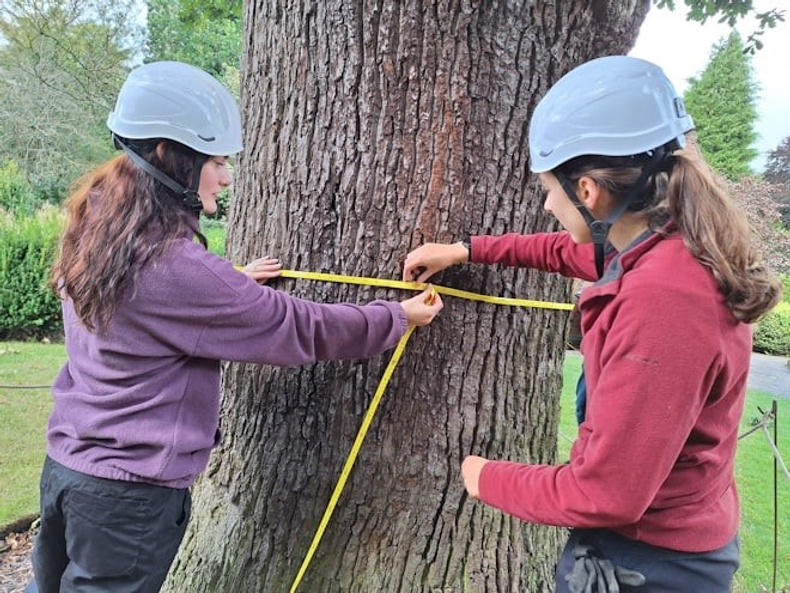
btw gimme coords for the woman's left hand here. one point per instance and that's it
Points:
(470, 470)
(263, 269)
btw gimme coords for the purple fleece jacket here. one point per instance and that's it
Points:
(140, 400)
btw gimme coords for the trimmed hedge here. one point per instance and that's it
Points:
(28, 246)
(772, 333)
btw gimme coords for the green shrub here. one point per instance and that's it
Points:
(223, 204)
(50, 191)
(785, 278)
(16, 195)
(28, 245)
(772, 333)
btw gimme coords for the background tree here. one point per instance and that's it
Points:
(727, 11)
(61, 64)
(777, 165)
(777, 171)
(722, 102)
(207, 35)
(761, 201)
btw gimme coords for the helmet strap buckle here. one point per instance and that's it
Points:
(192, 201)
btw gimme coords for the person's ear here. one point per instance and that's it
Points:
(589, 193)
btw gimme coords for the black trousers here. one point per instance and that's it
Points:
(105, 535)
(665, 571)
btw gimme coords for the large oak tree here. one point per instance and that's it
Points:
(371, 127)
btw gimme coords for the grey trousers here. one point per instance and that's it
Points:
(105, 535)
(665, 571)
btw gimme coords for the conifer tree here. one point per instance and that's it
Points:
(722, 102)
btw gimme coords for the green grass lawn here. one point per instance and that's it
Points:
(24, 415)
(23, 420)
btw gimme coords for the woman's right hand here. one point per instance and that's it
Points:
(421, 309)
(263, 269)
(426, 260)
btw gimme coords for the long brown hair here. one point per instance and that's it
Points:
(119, 220)
(713, 227)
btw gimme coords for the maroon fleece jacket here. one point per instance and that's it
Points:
(666, 366)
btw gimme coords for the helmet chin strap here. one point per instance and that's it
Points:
(189, 196)
(599, 229)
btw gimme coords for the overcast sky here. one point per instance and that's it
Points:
(683, 49)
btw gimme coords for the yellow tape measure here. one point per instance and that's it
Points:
(385, 379)
(352, 456)
(400, 284)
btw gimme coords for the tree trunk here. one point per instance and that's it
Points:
(369, 129)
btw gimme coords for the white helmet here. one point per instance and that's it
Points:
(178, 102)
(611, 106)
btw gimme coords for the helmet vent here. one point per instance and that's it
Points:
(680, 107)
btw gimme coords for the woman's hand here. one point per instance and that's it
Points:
(263, 269)
(421, 309)
(426, 260)
(470, 470)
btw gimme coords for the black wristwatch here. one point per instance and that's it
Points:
(468, 244)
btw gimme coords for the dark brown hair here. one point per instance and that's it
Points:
(119, 220)
(714, 228)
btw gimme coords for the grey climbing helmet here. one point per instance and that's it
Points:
(611, 106)
(615, 106)
(178, 102)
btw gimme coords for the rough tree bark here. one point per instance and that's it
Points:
(371, 127)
